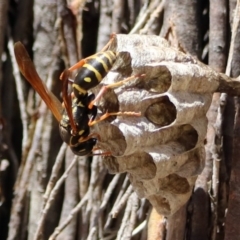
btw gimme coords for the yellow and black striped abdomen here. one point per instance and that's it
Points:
(93, 71)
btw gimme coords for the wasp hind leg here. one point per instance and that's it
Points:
(84, 60)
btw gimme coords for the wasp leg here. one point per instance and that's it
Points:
(75, 66)
(106, 115)
(112, 36)
(92, 135)
(101, 154)
(113, 85)
(83, 61)
(93, 110)
(97, 136)
(105, 154)
(78, 64)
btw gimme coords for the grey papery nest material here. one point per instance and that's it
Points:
(163, 149)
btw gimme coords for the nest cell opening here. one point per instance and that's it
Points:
(112, 139)
(123, 64)
(161, 113)
(194, 164)
(109, 103)
(158, 79)
(112, 164)
(140, 165)
(174, 184)
(188, 137)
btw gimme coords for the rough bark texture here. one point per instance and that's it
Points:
(48, 193)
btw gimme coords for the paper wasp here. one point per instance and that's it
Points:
(80, 113)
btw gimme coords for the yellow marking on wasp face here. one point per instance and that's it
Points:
(96, 72)
(80, 90)
(87, 79)
(81, 132)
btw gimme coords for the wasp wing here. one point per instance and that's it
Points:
(67, 99)
(28, 70)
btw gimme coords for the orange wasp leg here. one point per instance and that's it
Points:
(95, 135)
(106, 115)
(83, 61)
(113, 85)
(92, 135)
(108, 153)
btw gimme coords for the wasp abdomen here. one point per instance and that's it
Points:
(93, 71)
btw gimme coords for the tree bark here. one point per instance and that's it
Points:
(47, 192)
